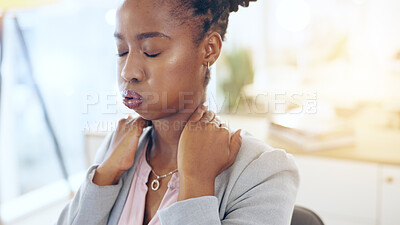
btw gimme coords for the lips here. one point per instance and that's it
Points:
(131, 99)
(129, 94)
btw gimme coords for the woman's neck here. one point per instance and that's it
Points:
(168, 131)
(165, 134)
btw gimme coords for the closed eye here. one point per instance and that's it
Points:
(148, 55)
(152, 56)
(122, 54)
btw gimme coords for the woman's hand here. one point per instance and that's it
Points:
(121, 154)
(206, 148)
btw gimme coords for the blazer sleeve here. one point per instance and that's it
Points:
(92, 204)
(264, 194)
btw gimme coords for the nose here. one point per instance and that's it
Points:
(132, 70)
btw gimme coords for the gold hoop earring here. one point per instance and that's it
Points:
(208, 65)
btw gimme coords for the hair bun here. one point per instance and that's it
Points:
(234, 4)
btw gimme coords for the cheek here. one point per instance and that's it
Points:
(176, 80)
(183, 71)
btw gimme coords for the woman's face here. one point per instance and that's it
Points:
(157, 60)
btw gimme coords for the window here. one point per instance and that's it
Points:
(72, 51)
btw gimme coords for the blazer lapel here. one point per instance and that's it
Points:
(127, 178)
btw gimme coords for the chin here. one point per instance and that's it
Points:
(154, 114)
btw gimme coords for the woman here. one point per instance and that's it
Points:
(177, 163)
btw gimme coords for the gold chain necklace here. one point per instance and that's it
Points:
(155, 184)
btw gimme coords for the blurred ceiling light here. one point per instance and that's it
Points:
(359, 2)
(12, 4)
(110, 16)
(293, 15)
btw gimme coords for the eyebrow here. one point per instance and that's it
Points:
(143, 36)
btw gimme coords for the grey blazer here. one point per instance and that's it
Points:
(259, 188)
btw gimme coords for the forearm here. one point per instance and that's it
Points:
(91, 204)
(190, 187)
(192, 211)
(106, 175)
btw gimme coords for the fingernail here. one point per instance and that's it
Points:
(242, 132)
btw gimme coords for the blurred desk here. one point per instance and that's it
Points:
(376, 146)
(372, 145)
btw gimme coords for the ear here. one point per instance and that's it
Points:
(211, 46)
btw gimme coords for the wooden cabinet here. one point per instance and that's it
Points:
(389, 210)
(345, 192)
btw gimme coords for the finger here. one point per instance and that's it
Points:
(223, 125)
(198, 113)
(137, 125)
(142, 122)
(208, 116)
(234, 145)
(217, 120)
(216, 123)
(130, 119)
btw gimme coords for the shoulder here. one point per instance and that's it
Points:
(260, 186)
(257, 163)
(258, 155)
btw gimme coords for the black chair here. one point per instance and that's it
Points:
(304, 216)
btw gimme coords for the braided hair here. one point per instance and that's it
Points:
(205, 16)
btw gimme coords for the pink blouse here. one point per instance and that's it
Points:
(133, 211)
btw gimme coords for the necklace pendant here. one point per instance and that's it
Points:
(155, 185)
